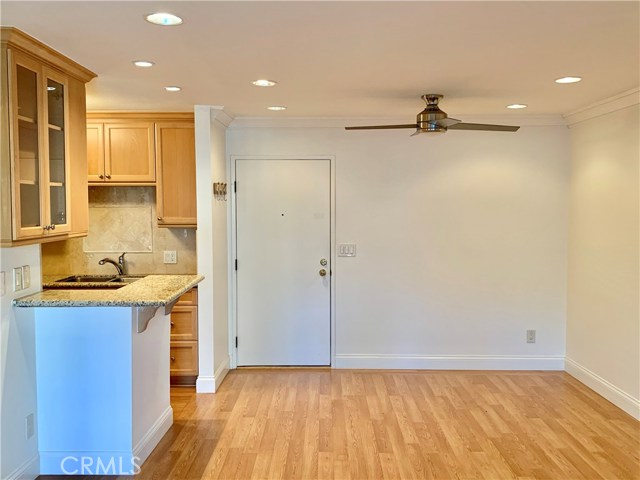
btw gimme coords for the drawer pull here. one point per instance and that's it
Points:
(172, 324)
(173, 359)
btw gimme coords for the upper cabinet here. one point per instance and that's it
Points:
(121, 152)
(43, 155)
(176, 171)
(129, 148)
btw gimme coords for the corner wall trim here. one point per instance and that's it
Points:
(28, 470)
(208, 384)
(450, 362)
(601, 386)
(153, 436)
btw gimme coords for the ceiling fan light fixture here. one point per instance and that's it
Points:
(163, 19)
(568, 80)
(517, 106)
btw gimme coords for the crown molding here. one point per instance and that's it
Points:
(603, 107)
(341, 122)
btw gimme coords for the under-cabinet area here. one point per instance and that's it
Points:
(43, 152)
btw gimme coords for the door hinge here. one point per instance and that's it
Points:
(236, 264)
(235, 186)
(236, 342)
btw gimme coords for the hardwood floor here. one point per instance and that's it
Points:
(341, 424)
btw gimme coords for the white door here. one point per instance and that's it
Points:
(283, 252)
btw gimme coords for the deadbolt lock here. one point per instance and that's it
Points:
(322, 272)
(323, 262)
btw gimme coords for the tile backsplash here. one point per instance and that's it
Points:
(69, 256)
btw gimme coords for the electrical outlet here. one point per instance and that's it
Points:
(17, 279)
(531, 336)
(170, 256)
(3, 289)
(30, 427)
(26, 276)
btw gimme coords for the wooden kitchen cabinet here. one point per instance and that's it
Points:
(43, 195)
(121, 153)
(176, 174)
(184, 339)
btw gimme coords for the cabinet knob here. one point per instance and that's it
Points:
(159, 219)
(100, 177)
(108, 176)
(172, 324)
(173, 359)
(52, 226)
(45, 227)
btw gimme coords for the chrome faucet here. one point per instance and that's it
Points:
(119, 265)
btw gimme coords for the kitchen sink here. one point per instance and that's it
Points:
(95, 281)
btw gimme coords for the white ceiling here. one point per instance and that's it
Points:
(345, 59)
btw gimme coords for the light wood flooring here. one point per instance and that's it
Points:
(341, 424)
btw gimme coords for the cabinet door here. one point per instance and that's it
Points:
(27, 148)
(56, 141)
(95, 152)
(176, 174)
(129, 152)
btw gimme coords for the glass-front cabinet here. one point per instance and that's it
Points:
(39, 149)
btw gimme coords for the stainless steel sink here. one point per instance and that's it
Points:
(95, 281)
(86, 279)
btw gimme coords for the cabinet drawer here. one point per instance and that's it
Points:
(189, 298)
(184, 323)
(184, 358)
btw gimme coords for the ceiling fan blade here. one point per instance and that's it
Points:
(483, 126)
(446, 122)
(382, 127)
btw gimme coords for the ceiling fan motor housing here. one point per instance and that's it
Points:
(427, 119)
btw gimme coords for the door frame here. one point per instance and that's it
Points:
(232, 224)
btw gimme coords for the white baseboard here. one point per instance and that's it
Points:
(208, 384)
(153, 436)
(609, 391)
(29, 470)
(450, 362)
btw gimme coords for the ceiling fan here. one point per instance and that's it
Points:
(434, 120)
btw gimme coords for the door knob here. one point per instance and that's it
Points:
(323, 262)
(322, 272)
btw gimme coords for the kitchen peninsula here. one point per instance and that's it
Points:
(102, 367)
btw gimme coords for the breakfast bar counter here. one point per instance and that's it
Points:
(102, 372)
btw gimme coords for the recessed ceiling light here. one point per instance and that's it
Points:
(172, 88)
(277, 108)
(264, 83)
(164, 19)
(143, 63)
(568, 79)
(515, 106)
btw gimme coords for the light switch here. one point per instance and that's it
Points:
(17, 279)
(26, 276)
(347, 250)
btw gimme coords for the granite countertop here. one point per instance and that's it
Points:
(150, 291)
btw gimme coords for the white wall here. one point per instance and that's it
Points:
(603, 326)
(462, 243)
(18, 456)
(213, 337)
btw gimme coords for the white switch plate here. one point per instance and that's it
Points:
(29, 426)
(531, 336)
(26, 276)
(170, 256)
(347, 250)
(3, 289)
(17, 279)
